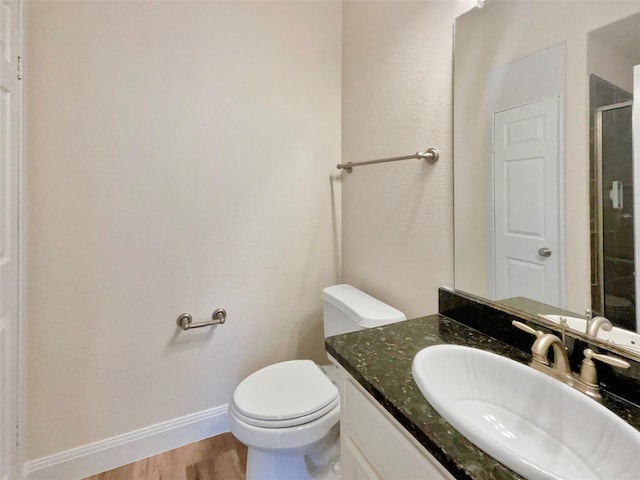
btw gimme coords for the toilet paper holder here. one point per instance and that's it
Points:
(218, 317)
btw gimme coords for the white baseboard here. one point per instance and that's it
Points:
(113, 452)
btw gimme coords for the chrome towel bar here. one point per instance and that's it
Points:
(430, 154)
(218, 317)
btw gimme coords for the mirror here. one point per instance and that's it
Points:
(543, 178)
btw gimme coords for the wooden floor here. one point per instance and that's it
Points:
(217, 458)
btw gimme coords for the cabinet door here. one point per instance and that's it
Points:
(375, 446)
(353, 465)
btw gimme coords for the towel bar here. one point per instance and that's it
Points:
(430, 154)
(218, 317)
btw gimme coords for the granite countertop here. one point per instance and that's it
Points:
(380, 360)
(533, 307)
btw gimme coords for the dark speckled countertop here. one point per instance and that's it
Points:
(380, 360)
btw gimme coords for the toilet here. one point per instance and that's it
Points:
(288, 413)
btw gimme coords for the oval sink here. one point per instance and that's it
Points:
(532, 423)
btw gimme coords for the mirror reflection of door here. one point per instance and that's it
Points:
(526, 202)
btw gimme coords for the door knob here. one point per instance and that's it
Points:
(544, 252)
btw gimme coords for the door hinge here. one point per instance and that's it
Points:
(19, 75)
(17, 433)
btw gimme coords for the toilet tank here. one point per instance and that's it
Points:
(347, 309)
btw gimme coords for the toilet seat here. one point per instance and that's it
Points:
(288, 405)
(285, 394)
(291, 422)
(287, 438)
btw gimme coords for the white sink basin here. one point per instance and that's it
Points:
(530, 422)
(624, 338)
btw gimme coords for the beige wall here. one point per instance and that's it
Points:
(179, 159)
(608, 63)
(495, 35)
(397, 218)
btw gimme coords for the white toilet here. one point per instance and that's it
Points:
(288, 413)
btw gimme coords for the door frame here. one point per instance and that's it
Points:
(22, 251)
(17, 394)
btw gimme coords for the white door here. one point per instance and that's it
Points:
(9, 176)
(527, 186)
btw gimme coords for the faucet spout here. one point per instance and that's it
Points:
(597, 323)
(540, 350)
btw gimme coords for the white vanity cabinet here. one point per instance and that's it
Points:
(374, 446)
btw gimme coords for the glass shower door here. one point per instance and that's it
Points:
(616, 203)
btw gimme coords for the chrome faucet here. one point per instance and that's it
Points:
(596, 323)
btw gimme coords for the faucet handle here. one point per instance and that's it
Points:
(563, 329)
(526, 328)
(613, 361)
(588, 315)
(588, 374)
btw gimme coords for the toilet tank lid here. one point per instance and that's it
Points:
(364, 309)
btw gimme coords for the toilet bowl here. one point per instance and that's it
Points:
(288, 413)
(284, 413)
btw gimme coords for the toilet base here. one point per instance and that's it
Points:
(270, 465)
(320, 463)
